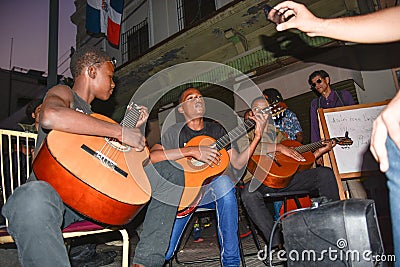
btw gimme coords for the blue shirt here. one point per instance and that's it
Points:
(289, 124)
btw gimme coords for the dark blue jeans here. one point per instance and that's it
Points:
(219, 195)
(393, 175)
(37, 214)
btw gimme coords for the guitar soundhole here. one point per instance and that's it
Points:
(118, 145)
(196, 163)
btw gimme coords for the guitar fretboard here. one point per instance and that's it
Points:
(309, 147)
(235, 134)
(131, 117)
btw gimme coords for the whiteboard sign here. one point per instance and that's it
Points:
(358, 123)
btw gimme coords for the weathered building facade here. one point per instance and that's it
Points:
(159, 34)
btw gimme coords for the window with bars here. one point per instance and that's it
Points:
(190, 12)
(135, 41)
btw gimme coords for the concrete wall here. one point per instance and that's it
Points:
(164, 20)
(379, 86)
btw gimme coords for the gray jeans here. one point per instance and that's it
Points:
(37, 214)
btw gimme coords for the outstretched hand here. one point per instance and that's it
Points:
(299, 17)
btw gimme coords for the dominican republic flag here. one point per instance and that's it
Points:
(104, 16)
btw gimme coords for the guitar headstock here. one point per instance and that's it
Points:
(344, 141)
(132, 105)
(277, 110)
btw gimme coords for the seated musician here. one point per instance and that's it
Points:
(320, 179)
(35, 210)
(219, 194)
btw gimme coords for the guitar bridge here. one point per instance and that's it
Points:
(104, 160)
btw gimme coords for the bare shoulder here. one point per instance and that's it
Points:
(60, 90)
(59, 93)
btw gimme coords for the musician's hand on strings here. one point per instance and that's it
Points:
(206, 154)
(144, 115)
(134, 138)
(328, 145)
(290, 152)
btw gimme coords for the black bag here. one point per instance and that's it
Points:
(340, 233)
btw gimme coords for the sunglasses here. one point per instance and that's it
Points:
(314, 84)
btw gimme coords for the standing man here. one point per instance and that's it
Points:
(287, 120)
(36, 212)
(328, 97)
(219, 193)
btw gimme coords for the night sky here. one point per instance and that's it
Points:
(27, 22)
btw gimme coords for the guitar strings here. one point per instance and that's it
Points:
(238, 131)
(309, 147)
(234, 134)
(110, 147)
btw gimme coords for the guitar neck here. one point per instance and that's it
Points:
(310, 147)
(234, 134)
(131, 117)
(239, 131)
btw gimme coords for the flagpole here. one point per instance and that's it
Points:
(10, 81)
(53, 44)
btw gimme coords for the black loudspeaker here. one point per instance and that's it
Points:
(340, 233)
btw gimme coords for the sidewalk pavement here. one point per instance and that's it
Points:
(189, 250)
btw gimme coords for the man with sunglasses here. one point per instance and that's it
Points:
(327, 98)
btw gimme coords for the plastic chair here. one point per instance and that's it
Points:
(19, 145)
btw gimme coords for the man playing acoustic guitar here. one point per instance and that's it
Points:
(219, 194)
(320, 179)
(36, 212)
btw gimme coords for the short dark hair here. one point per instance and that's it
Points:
(85, 57)
(181, 93)
(272, 95)
(321, 73)
(32, 105)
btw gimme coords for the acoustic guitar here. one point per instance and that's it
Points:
(277, 171)
(91, 173)
(198, 173)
